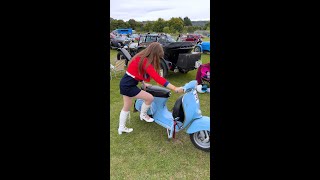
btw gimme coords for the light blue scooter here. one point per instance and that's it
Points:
(186, 114)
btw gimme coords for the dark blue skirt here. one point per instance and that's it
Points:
(128, 86)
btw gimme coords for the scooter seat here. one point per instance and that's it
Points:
(158, 91)
(177, 110)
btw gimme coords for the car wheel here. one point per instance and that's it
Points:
(197, 49)
(183, 71)
(163, 69)
(120, 56)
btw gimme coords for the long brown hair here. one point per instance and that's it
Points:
(153, 53)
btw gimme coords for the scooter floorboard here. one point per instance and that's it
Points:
(165, 120)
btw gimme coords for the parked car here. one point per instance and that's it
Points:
(178, 56)
(191, 37)
(112, 35)
(119, 42)
(200, 35)
(123, 31)
(202, 47)
(135, 36)
(132, 49)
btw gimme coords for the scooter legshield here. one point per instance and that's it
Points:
(200, 124)
(151, 110)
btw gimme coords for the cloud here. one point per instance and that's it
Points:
(156, 9)
(142, 10)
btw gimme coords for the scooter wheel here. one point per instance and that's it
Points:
(201, 140)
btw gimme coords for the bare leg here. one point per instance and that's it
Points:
(127, 102)
(148, 98)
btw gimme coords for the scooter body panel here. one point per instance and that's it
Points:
(164, 118)
(159, 112)
(200, 124)
(191, 107)
(152, 110)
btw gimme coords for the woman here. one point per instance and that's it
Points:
(143, 65)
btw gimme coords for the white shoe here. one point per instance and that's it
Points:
(124, 129)
(122, 122)
(143, 113)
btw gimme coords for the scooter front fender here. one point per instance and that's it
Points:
(200, 124)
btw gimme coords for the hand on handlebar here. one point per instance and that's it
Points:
(147, 85)
(179, 90)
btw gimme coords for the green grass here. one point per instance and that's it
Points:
(146, 153)
(206, 38)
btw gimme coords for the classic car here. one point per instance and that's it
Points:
(191, 37)
(202, 47)
(178, 56)
(135, 36)
(119, 42)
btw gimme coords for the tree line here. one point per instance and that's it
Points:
(174, 25)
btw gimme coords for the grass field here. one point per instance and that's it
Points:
(206, 39)
(146, 153)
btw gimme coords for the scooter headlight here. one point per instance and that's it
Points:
(199, 89)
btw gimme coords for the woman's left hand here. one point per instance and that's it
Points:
(147, 85)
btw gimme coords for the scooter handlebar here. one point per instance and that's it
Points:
(190, 85)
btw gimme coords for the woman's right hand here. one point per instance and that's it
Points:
(179, 90)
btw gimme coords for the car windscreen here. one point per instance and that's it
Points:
(141, 39)
(121, 38)
(151, 38)
(170, 39)
(166, 39)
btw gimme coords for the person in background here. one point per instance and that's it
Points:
(179, 38)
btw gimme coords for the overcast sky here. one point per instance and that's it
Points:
(143, 10)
